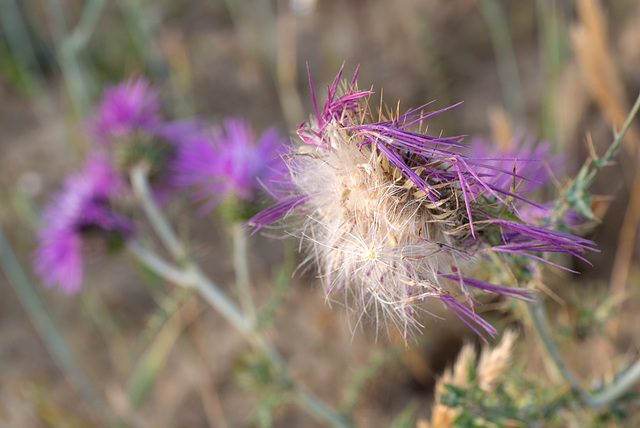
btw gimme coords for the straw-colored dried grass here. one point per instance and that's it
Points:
(489, 367)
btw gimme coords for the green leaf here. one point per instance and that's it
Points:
(406, 418)
(148, 368)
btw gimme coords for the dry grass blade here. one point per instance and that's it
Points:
(459, 373)
(594, 57)
(491, 365)
(593, 54)
(626, 240)
(492, 362)
(501, 127)
(441, 415)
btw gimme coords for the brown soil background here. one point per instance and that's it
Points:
(217, 59)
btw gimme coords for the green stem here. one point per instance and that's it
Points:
(72, 70)
(159, 266)
(554, 52)
(317, 407)
(241, 265)
(598, 163)
(20, 43)
(140, 185)
(191, 276)
(141, 30)
(576, 194)
(536, 309)
(79, 37)
(602, 398)
(53, 340)
(506, 58)
(619, 386)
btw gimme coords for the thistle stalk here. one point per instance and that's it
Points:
(53, 340)
(577, 196)
(604, 397)
(189, 274)
(241, 266)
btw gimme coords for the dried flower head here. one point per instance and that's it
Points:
(487, 372)
(81, 210)
(229, 159)
(393, 216)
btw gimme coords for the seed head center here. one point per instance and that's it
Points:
(369, 255)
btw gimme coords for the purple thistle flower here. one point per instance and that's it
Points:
(541, 215)
(522, 162)
(81, 207)
(392, 216)
(129, 124)
(523, 167)
(126, 108)
(131, 108)
(229, 160)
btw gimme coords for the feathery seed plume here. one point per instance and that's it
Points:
(393, 217)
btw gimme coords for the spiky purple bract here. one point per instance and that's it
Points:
(82, 206)
(229, 159)
(392, 216)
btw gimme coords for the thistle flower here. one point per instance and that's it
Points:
(393, 217)
(129, 125)
(126, 108)
(524, 158)
(80, 210)
(229, 160)
(522, 166)
(132, 110)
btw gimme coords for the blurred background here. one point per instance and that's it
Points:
(558, 70)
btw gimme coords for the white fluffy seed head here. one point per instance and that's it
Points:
(370, 230)
(393, 214)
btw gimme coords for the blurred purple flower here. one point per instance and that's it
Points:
(523, 163)
(523, 166)
(80, 208)
(134, 106)
(125, 108)
(229, 160)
